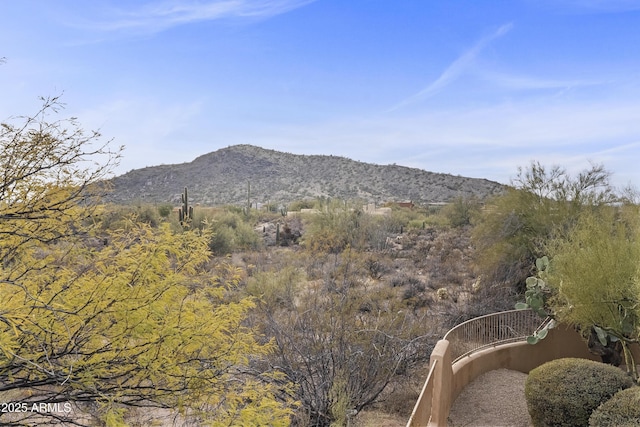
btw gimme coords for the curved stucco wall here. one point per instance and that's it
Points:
(520, 356)
(450, 379)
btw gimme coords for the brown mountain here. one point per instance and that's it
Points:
(221, 177)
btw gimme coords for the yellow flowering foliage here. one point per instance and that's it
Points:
(135, 322)
(96, 329)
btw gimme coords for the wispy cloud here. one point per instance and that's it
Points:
(455, 69)
(154, 17)
(523, 82)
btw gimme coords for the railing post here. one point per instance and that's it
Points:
(442, 386)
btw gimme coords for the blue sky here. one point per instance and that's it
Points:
(467, 87)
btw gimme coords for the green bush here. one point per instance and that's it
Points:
(564, 392)
(461, 211)
(222, 240)
(417, 224)
(165, 209)
(622, 410)
(116, 217)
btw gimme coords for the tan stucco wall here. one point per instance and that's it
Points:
(443, 381)
(520, 356)
(450, 380)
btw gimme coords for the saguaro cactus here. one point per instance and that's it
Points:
(248, 197)
(185, 213)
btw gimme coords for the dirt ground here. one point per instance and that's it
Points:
(495, 399)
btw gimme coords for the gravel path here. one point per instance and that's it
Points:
(495, 399)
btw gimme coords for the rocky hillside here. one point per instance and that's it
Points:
(221, 177)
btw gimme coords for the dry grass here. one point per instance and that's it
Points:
(379, 419)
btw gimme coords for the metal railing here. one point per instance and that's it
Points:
(490, 330)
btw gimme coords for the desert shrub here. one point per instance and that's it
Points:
(221, 242)
(622, 410)
(340, 356)
(413, 290)
(403, 279)
(564, 392)
(442, 293)
(148, 215)
(245, 238)
(461, 211)
(375, 267)
(398, 219)
(290, 232)
(296, 205)
(341, 343)
(165, 209)
(231, 231)
(437, 220)
(275, 288)
(417, 224)
(485, 299)
(116, 217)
(329, 231)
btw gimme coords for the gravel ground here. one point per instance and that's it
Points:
(495, 399)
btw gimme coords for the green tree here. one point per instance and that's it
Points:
(461, 211)
(105, 323)
(594, 277)
(542, 202)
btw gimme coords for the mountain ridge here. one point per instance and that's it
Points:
(221, 177)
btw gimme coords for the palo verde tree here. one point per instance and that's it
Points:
(593, 279)
(541, 202)
(96, 325)
(50, 175)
